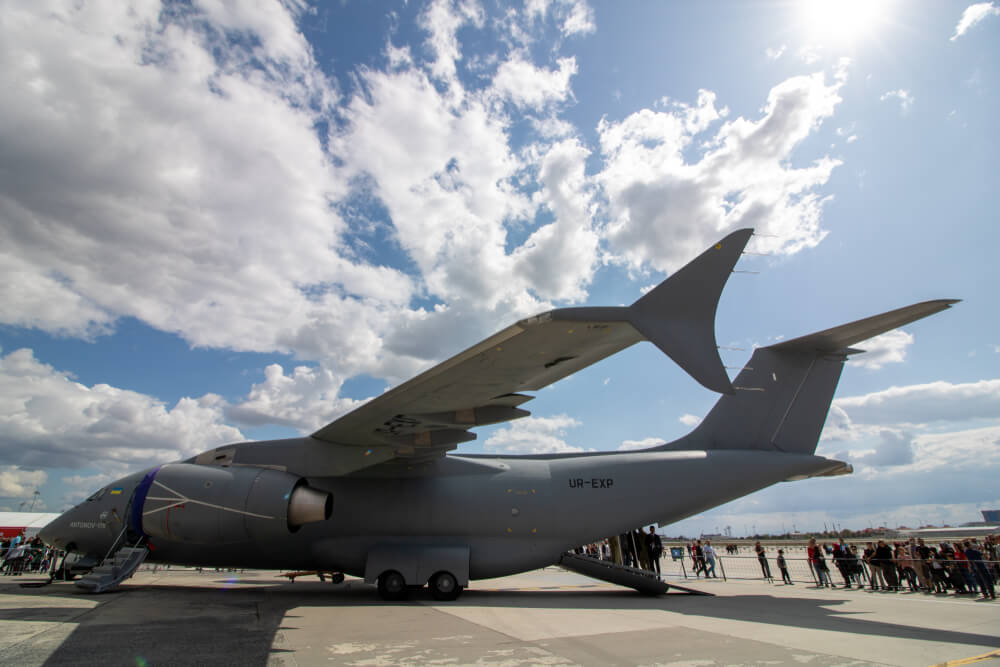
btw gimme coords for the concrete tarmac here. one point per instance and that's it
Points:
(546, 617)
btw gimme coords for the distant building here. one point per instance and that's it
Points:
(976, 530)
(14, 523)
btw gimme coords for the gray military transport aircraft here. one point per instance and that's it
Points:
(376, 493)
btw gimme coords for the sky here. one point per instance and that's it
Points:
(223, 221)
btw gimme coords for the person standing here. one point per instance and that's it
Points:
(628, 549)
(654, 546)
(709, 552)
(922, 555)
(616, 549)
(840, 560)
(883, 556)
(783, 566)
(818, 563)
(979, 570)
(640, 548)
(874, 571)
(699, 559)
(964, 568)
(762, 559)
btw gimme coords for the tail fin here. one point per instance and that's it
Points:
(784, 393)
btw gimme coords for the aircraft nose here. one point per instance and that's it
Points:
(54, 532)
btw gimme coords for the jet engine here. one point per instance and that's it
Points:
(200, 504)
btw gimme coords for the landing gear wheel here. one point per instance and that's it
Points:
(392, 586)
(444, 587)
(337, 578)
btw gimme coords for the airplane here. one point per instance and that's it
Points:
(378, 493)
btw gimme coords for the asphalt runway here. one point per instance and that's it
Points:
(547, 617)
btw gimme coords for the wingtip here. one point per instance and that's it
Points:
(678, 315)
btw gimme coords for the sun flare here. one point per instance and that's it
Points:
(842, 21)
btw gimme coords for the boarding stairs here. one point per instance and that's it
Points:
(115, 569)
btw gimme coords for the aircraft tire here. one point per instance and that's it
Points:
(392, 586)
(337, 578)
(444, 587)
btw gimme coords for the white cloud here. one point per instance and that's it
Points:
(645, 443)
(924, 403)
(972, 15)
(533, 435)
(47, 418)
(929, 428)
(558, 259)
(888, 348)
(689, 420)
(16, 482)
(664, 209)
(530, 87)
(579, 19)
(125, 202)
(904, 97)
(79, 487)
(575, 17)
(809, 54)
(773, 53)
(848, 133)
(441, 20)
(305, 399)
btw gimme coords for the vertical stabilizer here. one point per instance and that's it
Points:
(783, 394)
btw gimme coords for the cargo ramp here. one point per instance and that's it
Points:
(644, 581)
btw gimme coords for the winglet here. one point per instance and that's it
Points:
(678, 315)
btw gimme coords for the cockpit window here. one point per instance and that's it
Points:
(97, 495)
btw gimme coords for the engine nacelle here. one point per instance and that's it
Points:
(200, 504)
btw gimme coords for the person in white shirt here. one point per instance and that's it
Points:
(709, 554)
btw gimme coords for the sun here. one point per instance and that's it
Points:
(840, 22)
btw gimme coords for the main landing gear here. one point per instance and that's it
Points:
(444, 586)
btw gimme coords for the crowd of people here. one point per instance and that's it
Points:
(20, 555)
(636, 548)
(966, 567)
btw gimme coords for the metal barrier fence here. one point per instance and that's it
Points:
(25, 559)
(912, 574)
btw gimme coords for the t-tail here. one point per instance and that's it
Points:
(783, 394)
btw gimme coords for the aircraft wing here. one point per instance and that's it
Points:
(433, 412)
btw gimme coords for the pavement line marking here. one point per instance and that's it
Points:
(969, 661)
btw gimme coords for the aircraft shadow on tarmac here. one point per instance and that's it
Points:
(162, 624)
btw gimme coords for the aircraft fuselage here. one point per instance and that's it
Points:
(512, 513)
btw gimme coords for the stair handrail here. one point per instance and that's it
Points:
(115, 543)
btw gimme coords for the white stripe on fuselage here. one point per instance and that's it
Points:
(181, 499)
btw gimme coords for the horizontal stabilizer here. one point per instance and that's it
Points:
(838, 338)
